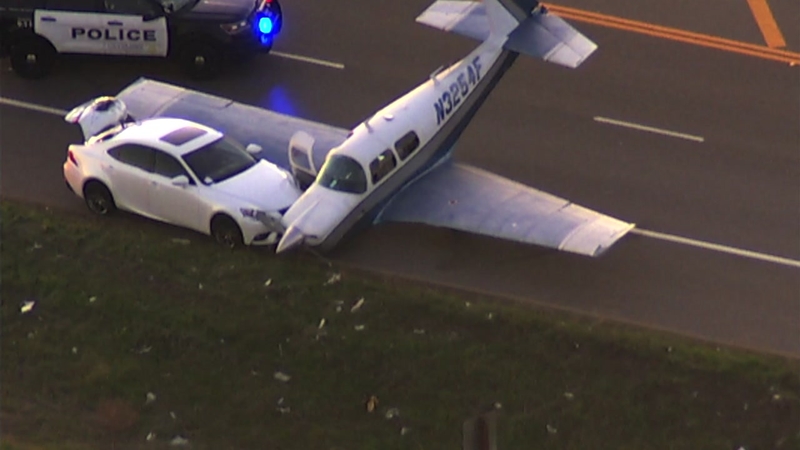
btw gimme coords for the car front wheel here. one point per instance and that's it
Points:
(98, 198)
(226, 232)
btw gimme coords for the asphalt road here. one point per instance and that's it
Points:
(739, 187)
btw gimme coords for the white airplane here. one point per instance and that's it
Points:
(397, 165)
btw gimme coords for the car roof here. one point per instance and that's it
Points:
(175, 136)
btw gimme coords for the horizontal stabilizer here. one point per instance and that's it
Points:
(551, 38)
(465, 198)
(537, 33)
(457, 16)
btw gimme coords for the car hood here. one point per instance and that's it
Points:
(223, 10)
(264, 185)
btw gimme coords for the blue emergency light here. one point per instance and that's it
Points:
(265, 25)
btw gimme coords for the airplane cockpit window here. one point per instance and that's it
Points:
(382, 165)
(343, 173)
(407, 144)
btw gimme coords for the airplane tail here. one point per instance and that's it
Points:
(521, 26)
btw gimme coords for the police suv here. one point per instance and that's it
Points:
(201, 35)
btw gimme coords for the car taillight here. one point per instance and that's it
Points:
(71, 157)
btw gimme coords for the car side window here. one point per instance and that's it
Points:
(135, 155)
(382, 165)
(75, 5)
(131, 7)
(168, 166)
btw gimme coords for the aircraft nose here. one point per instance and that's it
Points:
(291, 239)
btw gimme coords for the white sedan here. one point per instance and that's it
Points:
(183, 173)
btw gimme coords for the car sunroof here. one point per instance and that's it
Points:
(183, 135)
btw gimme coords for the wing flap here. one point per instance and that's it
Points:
(469, 199)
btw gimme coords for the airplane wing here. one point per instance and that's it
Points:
(466, 198)
(273, 131)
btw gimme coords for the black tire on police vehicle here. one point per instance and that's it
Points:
(226, 232)
(200, 59)
(33, 57)
(98, 198)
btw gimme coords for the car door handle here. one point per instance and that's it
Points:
(48, 19)
(115, 23)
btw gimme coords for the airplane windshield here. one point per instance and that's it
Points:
(343, 173)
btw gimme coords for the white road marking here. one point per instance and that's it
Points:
(636, 126)
(308, 59)
(32, 106)
(717, 247)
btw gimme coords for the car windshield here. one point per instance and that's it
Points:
(343, 173)
(171, 6)
(219, 160)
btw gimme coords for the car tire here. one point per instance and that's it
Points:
(226, 232)
(99, 199)
(201, 60)
(33, 57)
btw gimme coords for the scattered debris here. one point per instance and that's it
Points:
(404, 431)
(144, 349)
(200, 286)
(172, 414)
(268, 282)
(776, 397)
(359, 327)
(339, 304)
(179, 440)
(282, 409)
(282, 377)
(569, 395)
(372, 403)
(419, 331)
(669, 349)
(358, 305)
(391, 413)
(181, 241)
(335, 278)
(497, 405)
(490, 316)
(551, 429)
(27, 306)
(694, 394)
(577, 346)
(280, 349)
(321, 323)
(746, 406)
(36, 246)
(92, 299)
(149, 398)
(31, 334)
(467, 304)
(74, 350)
(150, 436)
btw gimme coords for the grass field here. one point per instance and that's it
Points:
(141, 333)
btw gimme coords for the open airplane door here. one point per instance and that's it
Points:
(300, 158)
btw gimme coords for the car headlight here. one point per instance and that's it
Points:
(232, 28)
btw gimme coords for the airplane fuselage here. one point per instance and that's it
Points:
(432, 116)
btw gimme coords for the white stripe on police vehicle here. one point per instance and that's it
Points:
(113, 35)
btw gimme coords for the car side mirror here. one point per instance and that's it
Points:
(253, 149)
(180, 181)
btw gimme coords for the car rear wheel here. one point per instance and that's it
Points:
(99, 199)
(226, 232)
(33, 58)
(200, 60)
